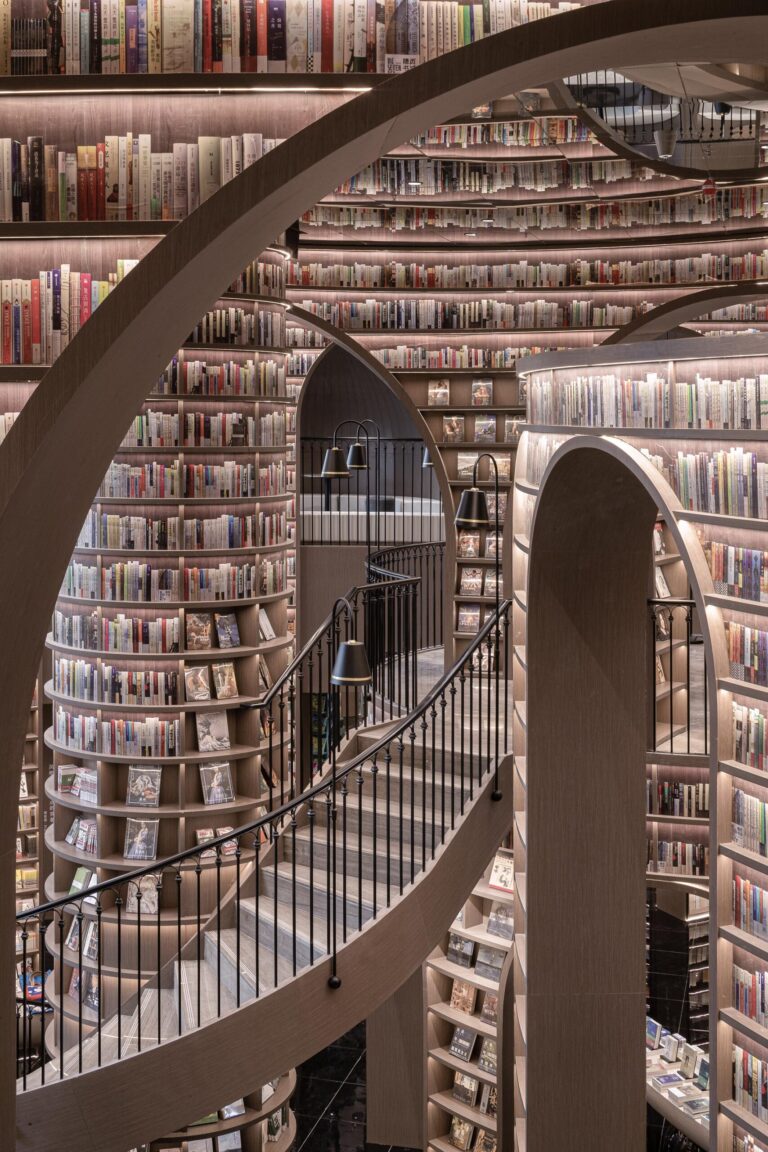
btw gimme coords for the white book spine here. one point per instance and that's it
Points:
(209, 166)
(178, 35)
(64, 305)
(252, 149)
(167, 194)
(154, 36)
(74, 304)
(226, 35)
(225, 148)
(142, 207)
(7, 179)
(44, 340)
(180, 204)
(193, 177)
(122, 178)
(156, 186)
(71, 184)
(296, 35)
(237, 155)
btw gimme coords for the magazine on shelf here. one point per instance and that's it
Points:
(511, 430)
(471, 583)
(212, 731)
(487, 1058)
(196, 683)
(468, 619)
(501, 921)
(265, 625)
(463, 996)
(490, 1009)
(482, 393)
(489, 962)
(485, 429)
(149, 888)
(465, 1088)
(502, 871)
(469, 545)
(143, 790)
(484, 1141)
(465, 463)
(141, 839)
(460, 950)
(227, 630)
(199, 631)
(216, 782)
(461, 1133)
(463, 1042)
(453, 429)
(489, 1100)
(224, 680)
(504, 465)
(439, 393)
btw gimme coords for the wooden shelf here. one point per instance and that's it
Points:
(454, 1107)
(742, 688)
(463, 1019)
(456, 972)
(470, 1067)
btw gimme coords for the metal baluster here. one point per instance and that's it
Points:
(328, 865)
(471, 765)
(257, 841)
(388, 807)
(671, 694)
(443, 706)
(119, 907)
(452, 691)
(688, 622)
(293, 889)
(178, 946)
(61, 992)
(218, 930)
(412, 739)
(138, 964)
(359, 781)
(462, 682)
(433, 765)
(423, 726)
(311, 825)
(506, 679)
(198, 934)
(489, 654)
(79, 989)
(275, 901)
(25, 1045)
(158, 960)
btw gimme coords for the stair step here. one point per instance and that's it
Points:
(225, 945)
(357, 852)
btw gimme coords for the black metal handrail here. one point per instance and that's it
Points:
(290, 887)
(425, 561)
(672, 690)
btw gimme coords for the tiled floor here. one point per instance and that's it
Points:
(330, 1099)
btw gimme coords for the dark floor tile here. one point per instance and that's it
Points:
(313, 1095)
(334, 1063)
(355, 1038)
(335, 1136)
(348, 1105)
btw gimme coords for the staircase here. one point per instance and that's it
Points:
(329, 904)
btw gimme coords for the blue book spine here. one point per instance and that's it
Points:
(143, 39)
(131, 39)
(198, 35)
(56, 310)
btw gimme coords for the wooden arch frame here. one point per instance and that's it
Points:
(73, 423)
(585, 644)
(688, 306)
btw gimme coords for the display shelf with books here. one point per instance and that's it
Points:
(262, 1119)
(171, 625)
(465, 978)
(29, 831)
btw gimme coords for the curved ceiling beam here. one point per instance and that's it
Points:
(667, 317)
(59, 449)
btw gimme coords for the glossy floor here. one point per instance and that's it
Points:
(330, 1099)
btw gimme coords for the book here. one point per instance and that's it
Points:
(468, 619)
(216, 782)
(461, 1133)
(490, 545)
(465, 465)
(227, 630)
(468, 544)
(439, 393)
(196, 683)
(203, 836)
(501, 921)
(144, 893)
(471, 583)
(463, 996)
(485, 1141)
(265, 625)
(143, 786)
(224, 680)
(489, 962)
(460, 950)
(199, 631)
(490, 1009)
(212, 731)
(229, 847)
(453, 429)
(490, 582)
(660, 583)
(82, 879)
(511, 430)
(487, 1058)
(462, 1042)
(485, 430)
(504, 465)
(482, 393)
(502, 871)
(236, 1108)
(465, 1088)
(141, 839)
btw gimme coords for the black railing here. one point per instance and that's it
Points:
(394, 500)
(426, 563)
(288, 890)
(678, 689)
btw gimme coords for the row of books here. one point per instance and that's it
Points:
(468, 1137)
(180, 36)
(39, 317)
(262, 377)
(469, 545)
(738, 572)
(149, 736)
(158, 481)
(750, 907)
(750, 1082)
(680, 857)
(78, 780)
(750, 993)
(749, 822)
(674, 798)
(743, 202)
(262, 325)
(614, 400)
(203, 631)
(157, 533)
(119, 178)
(732, 482)
(106, 683)
(525, 273)
(508, 133)
(749, 736)
(477, 582)
(192, 429)
(83, 835)
(747, 653)
(409, 314)
(398, 176)
(467, 461)
(139, 581)
(26, 846)
(416, 357)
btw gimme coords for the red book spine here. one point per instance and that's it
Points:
(91, 181)
(36, 330)
(7, 332)
(85, 296)
(326, 42)
(82, 194)
(101, 191)
(207, 35)
(26, 331)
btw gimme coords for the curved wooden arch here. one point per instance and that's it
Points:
(586, 648)
(669, 316)
(73, 424)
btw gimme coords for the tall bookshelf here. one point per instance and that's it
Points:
(465, 1013)
(724, 523)
(30, 959)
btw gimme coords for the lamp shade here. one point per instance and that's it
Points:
(334, 463)
(426, 459)
(351, 665)
(473, 509)
(357, 457)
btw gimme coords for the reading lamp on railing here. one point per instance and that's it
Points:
(350, 670)
(426, 459)
(472, 513)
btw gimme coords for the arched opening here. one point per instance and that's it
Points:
(583, 797)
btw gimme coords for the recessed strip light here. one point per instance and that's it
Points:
(180, 90)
